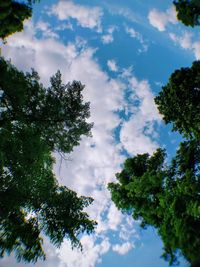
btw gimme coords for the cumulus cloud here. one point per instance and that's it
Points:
(186, 42)
(185, 39)
(94, 163)
(86, 16)
(96, 160)
(160, 20)
(138, 130)
(122, 249)
(112, 65)
(90, 256)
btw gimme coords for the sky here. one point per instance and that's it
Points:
(123, 52)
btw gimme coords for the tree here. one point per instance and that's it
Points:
(34, 122)
(166, 197)
(12, 16)
(188, 11)
(179, 103)
(57, 113)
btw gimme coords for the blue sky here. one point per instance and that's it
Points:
(123, 52)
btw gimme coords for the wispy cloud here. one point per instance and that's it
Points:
(126, 12)
(46, 29)
(186, 42)
(138, 36)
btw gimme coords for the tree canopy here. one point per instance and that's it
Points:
(188, 11)
(34, 122)
(12, 16)
(179, 101)
(57, 113)
(166, 197)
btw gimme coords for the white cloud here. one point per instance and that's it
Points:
(52, 260)
(138, 131)
(64, 26)
(186, 42)
(114, 217)
(94, 163)
(160, 20)
(138, 36)
(112, 65)
(133, 33)
(196, 47)
(46, 30)
(125, 12)
(86, 16)
(91, 255)
(108, 37)
(128, 229)
(122, 249)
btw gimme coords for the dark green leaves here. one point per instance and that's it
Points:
(188, 11)
(12, 16)
(166, 197)
(179, 101)
(57, 113)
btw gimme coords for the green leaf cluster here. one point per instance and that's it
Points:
(34, 122)
(188, 11)
(166, 197)
(12, 16)
(179, 101)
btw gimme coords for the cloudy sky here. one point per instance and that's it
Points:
(123, 51)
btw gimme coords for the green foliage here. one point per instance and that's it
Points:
(34, 122)
(57, 113)
(166, 197)
(12, 16)
(179, 101)
(188, 11)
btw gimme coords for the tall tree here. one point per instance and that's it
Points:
(188, 11)
(58, 113)
(179, 101)
(12, 16)
(166, 197)
(34, 122)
